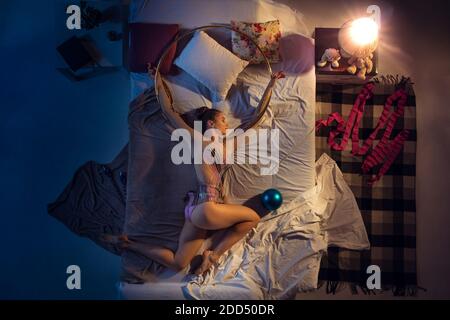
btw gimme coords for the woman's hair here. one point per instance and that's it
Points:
(202, 114)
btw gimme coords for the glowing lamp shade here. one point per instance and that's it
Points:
(359, 37)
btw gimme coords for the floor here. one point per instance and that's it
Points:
(50, 126)
(414, 43)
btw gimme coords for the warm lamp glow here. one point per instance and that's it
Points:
(358, 37)
(364, 31)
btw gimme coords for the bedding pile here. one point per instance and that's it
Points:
(282, 255)
(388, 207)
(93, 202)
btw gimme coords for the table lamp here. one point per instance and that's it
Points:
(358, 38)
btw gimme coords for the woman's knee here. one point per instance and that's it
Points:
(213, 216)
(254, 222)
(254, 217)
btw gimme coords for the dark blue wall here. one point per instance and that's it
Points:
(49, 127)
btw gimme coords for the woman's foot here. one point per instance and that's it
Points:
(209, 258)
(278, 75)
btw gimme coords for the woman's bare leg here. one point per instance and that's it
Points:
(216, 216)
(233, 235)
(239, 219)
(206, 216)
(190, 241)
(160, 254)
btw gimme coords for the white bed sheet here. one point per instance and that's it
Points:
(297, 91)
(282, 255)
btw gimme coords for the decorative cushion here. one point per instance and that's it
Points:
(210, 64)
(267, 35)
(148, 42)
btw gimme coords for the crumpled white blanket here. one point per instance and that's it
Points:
(282, 255)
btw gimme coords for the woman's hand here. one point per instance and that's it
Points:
(278, 75)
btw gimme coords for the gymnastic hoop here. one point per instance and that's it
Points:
(263, 106)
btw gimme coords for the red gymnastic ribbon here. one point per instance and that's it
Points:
(386, 151)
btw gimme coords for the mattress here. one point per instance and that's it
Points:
(283, 254)
(176, 291)
(292, 97)
(278, 257)
(291, 111)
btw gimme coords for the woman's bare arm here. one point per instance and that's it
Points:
(266, 96)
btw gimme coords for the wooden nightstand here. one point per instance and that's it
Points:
(328, 38)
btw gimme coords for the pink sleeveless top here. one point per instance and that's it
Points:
(209, 176)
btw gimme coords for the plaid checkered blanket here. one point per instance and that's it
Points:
(388, 207)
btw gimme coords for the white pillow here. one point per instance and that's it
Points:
(210, 64)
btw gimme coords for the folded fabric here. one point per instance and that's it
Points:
(93, 202)
(283, 253)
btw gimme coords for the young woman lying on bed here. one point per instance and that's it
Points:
(205, 210)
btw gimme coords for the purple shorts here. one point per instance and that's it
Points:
(205, 193)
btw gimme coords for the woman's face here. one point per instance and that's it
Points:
(220, 123)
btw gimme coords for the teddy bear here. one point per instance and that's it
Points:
(360, 66)
(330, 55)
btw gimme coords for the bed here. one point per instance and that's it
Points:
(297, 227)
(140, 192)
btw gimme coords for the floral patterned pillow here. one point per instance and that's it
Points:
(267, 35)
